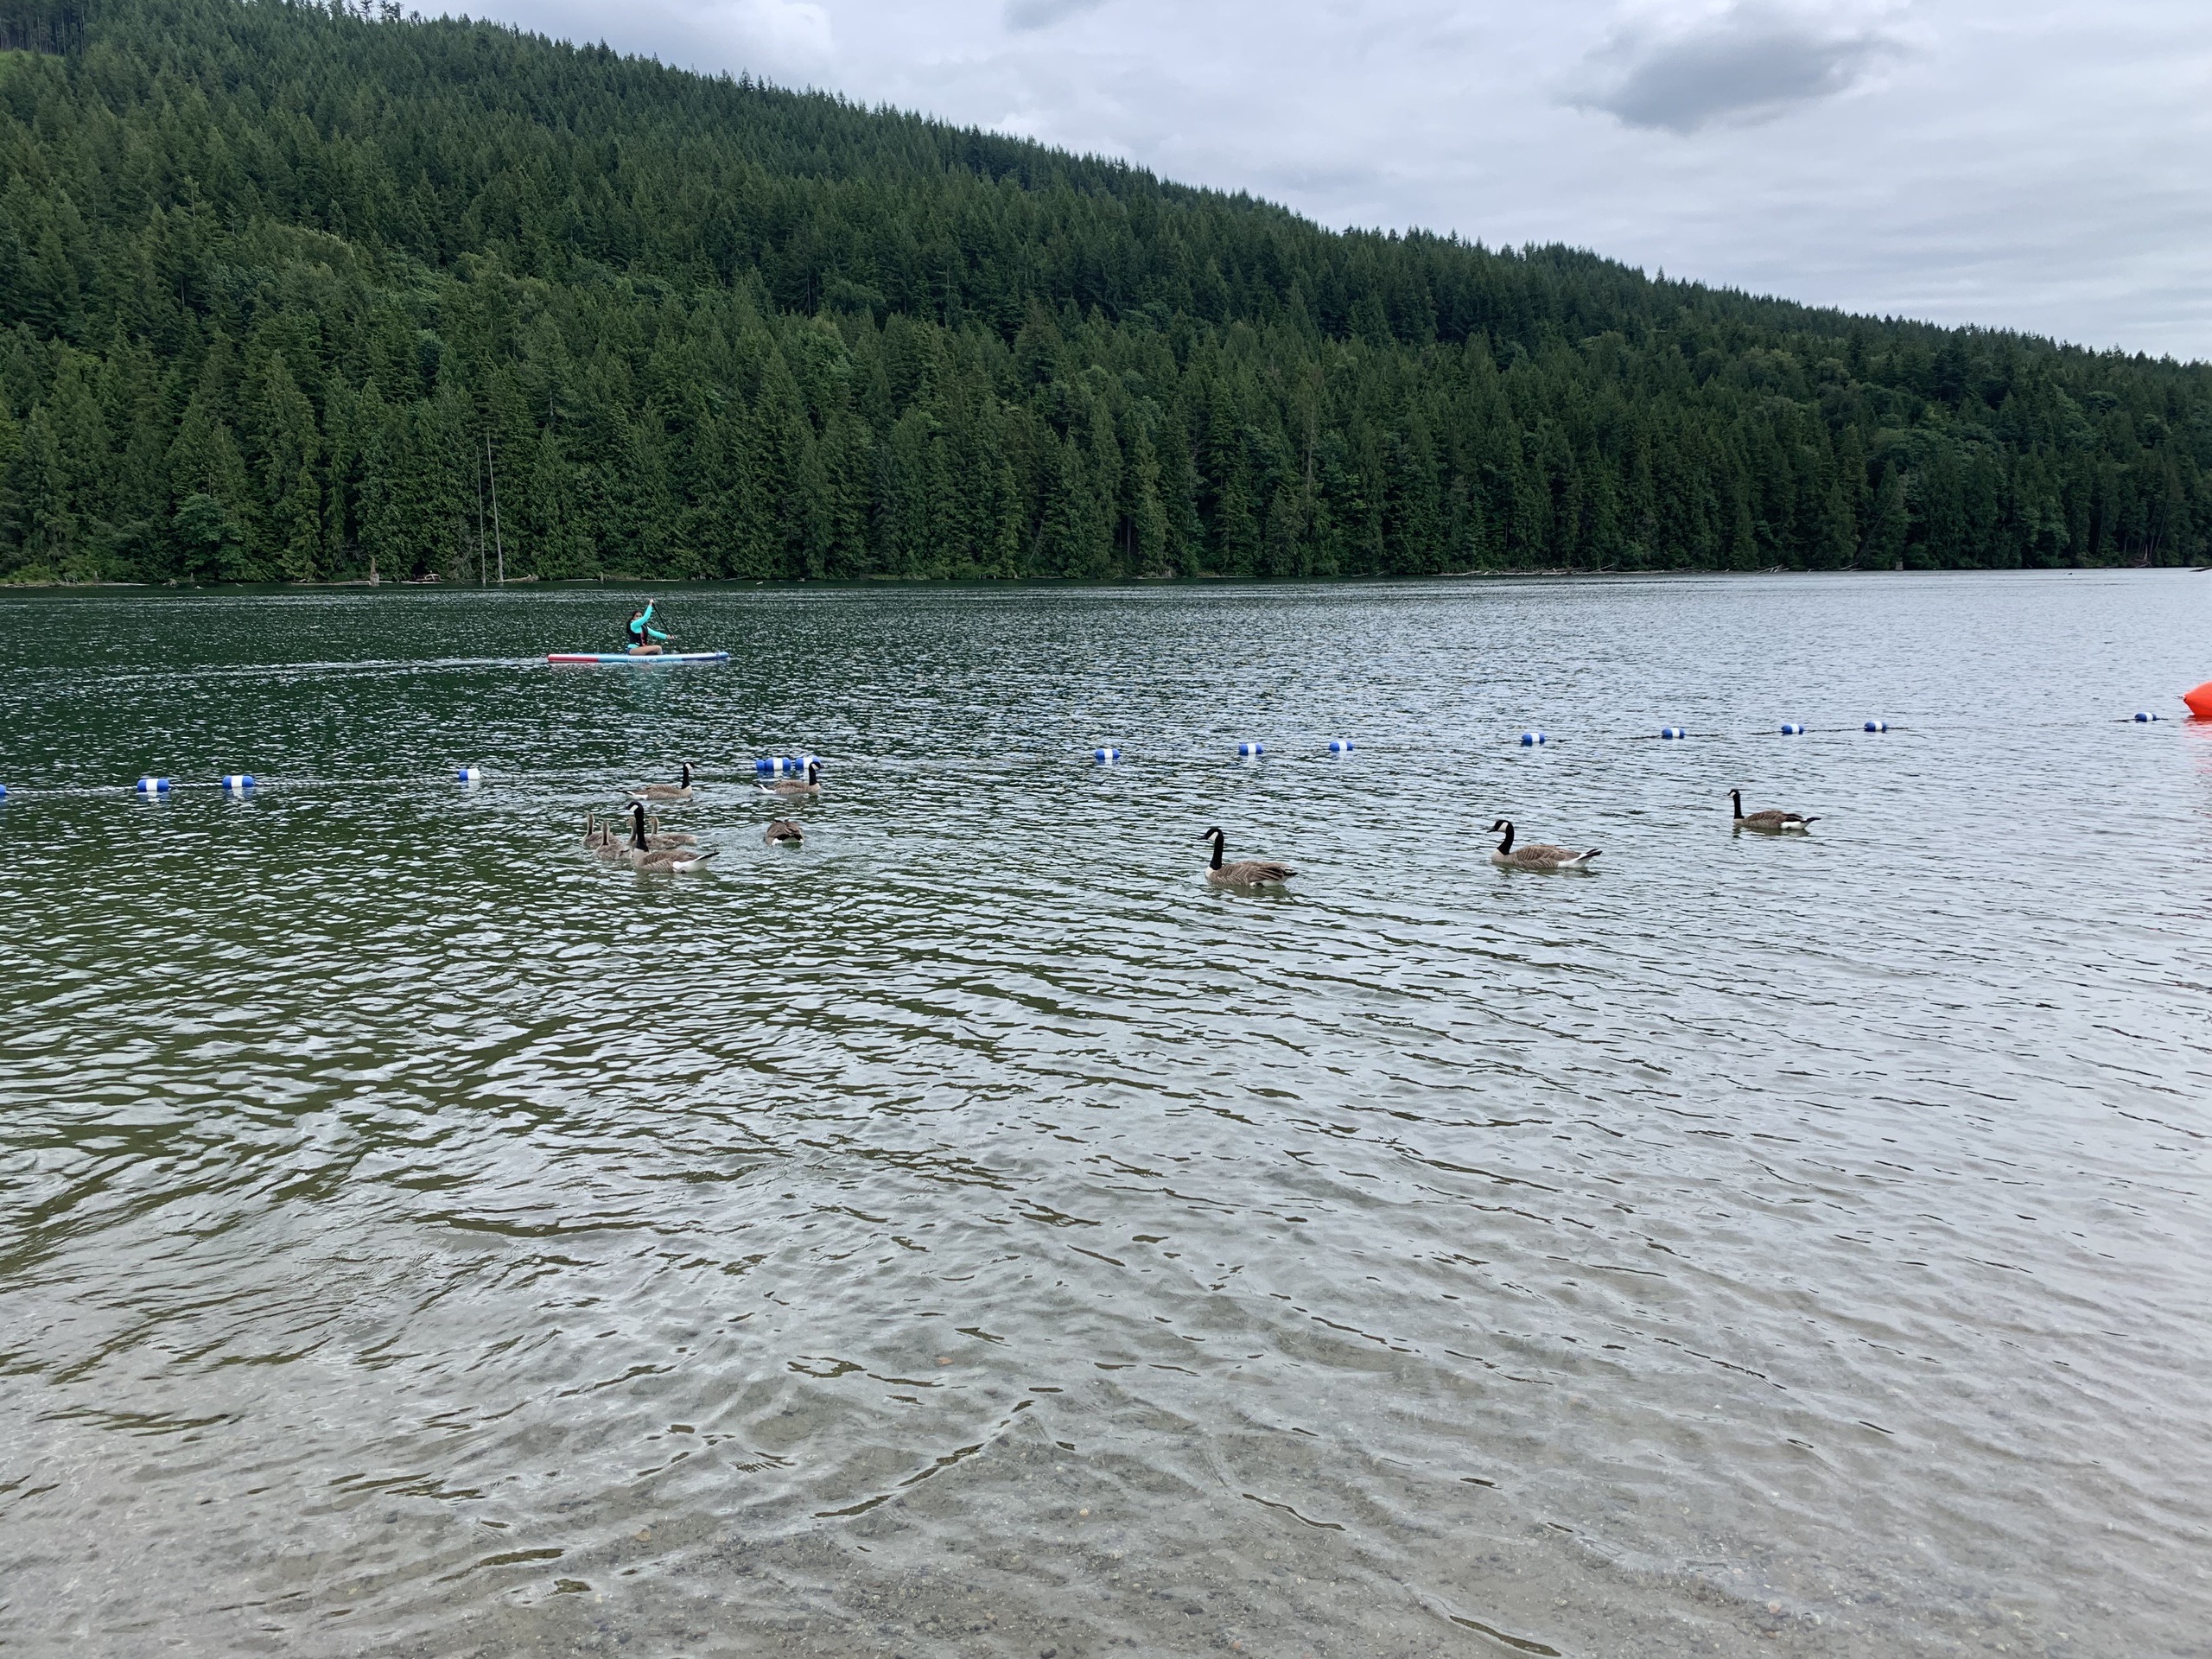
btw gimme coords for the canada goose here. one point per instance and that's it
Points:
(811, 784)
(676, 792)
(1535, 855)
(1246, 873)
(599, 838)
(1772, 822)
(669, 861)
(785, 832)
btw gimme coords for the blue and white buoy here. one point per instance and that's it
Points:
(1792, 729)
(153, 788)
(769, 764)
(1107, 756)
(1671, 731)
(4, 791)
(1878, 725)
(468, 775)
(1339, 745)
(1251, 751)
(2144, 716)
(237, 783)
(1534, 740)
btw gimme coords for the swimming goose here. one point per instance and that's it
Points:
(601, 838)
(785, 832)
(811, 784)
(1535, 855)
(1246, 873)
(670, 861)
(1772, 822)
(676, 792)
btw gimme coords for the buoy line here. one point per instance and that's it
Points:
(154, 786)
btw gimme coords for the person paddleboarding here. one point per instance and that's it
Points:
(644, 639)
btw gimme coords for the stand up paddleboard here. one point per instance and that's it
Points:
(627, 659)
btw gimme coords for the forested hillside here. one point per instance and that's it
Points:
(284, 290)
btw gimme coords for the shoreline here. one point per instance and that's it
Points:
(1069, 583)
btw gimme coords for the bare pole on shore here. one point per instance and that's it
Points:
(496, 542)
(480, 525)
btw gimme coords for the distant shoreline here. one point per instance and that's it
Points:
(1058, 584)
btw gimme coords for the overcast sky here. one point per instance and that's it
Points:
(2018, 163)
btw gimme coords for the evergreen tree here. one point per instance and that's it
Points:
(282, 288)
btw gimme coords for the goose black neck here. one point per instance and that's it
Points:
(637, 828)
(813, 770)
(1506, 846)
(1217, 840)
(1737, 796)
(684, 775)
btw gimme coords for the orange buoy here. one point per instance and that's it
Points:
(2200, 701)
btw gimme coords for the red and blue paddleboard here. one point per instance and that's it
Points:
(633, 659)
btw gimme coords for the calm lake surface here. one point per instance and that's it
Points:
(970, 1234)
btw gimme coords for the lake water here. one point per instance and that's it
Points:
(970, 1234)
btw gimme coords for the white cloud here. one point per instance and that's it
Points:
(789, 40)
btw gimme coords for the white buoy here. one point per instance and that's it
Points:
(1534, 740)
(1107, 756)
(1339, 745)
(1791, 728)
(1251, 751)
(1671, 731)
(238, 783)
(152, 787)
(469, 775)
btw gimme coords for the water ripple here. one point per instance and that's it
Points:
(970, 1232)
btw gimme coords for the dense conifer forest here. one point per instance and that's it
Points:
(286, 292)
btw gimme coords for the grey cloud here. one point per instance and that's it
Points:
(1751, 63)
(1043, 14)
(2037, 168)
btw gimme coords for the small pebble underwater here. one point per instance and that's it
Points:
(965, 1230)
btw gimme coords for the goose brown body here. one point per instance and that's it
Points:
(666, 861)
(809, 784)
(785, 832)
(1771, 822)
(1539, 856)
(676, 791)
(1245, 873)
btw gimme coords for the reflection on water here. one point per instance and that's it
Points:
(970, 1233)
